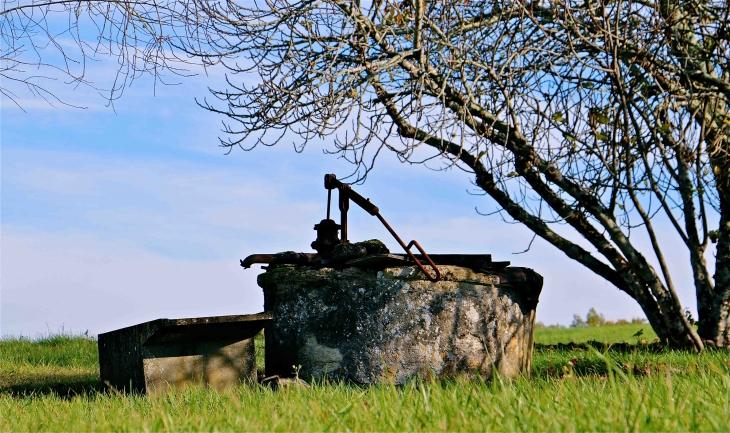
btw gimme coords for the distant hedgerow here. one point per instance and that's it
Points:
(594, 318)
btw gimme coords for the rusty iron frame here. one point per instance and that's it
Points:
(346, 193)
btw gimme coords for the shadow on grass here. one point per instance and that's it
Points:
(597, 359)
(65, 388)
(655, 347)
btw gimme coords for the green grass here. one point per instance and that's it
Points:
(52, 385)
(59, 363)
(604, 334)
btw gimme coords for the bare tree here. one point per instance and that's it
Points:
(594, 115)
(597, 115)
(58, 40)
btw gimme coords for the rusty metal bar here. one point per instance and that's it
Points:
(281, 259)
(407, 249)
(344, 207)
(331, 182)
(347, 194)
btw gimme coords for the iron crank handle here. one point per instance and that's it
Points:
(428, 259)
(346, 193)
(407, 249)
(331, 182)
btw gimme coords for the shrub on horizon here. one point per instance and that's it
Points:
(594, 318)
(578, 322)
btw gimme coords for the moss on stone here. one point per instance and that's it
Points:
(374, 246)
(345, 252)
(352, 251)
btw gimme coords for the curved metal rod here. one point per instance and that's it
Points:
(407, 249)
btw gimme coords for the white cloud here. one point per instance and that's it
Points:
(80, 283)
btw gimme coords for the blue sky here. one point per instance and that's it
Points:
(112, 217)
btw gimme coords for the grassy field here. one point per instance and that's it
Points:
(52, 385)
(604, 334)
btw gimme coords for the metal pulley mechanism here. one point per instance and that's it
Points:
(327, 228)
(328, 239)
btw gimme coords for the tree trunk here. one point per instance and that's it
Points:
(713, 303)
(661, 306)
(715, 326)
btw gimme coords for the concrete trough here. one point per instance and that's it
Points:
(174, 353)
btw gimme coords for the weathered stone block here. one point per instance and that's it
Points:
(154, 356)
(367, 326)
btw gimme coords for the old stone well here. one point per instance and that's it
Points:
(370, 316)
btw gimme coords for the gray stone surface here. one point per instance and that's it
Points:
(369, 325)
